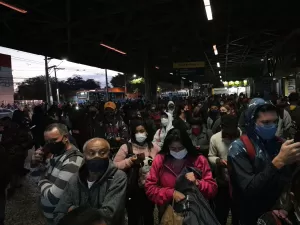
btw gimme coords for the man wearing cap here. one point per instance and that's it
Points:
(115, 130)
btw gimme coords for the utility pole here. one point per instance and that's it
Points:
(47, 80)
(106, 81)
(56, 82)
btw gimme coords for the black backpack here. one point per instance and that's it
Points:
(195, 207)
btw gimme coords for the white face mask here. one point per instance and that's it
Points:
(179, 155)
(140, 137)
(164, 122)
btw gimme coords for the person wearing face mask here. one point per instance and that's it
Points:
(213, 115)
(97, 185)
(224, 110)
(114, 128)
(176, 154)
(218, 152)
(161, 133)
(58, 160)
(200, 136)
(260, 164)
(171, 108)
(134, 154)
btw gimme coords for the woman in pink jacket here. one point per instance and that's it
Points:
(138, 206)
(177, 153)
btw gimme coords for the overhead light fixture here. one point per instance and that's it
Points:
(269, 59)
(262, 60)
(218, 64)
(221, 77)
(208, 12)
(191, 81)
(13, 7)
(134, 75)
(113, 49)
(208, 9)
(183, 78)
(215, 49)
(171, 73)
(219, 71)
(157, 67)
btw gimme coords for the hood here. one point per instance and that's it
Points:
(253, 106)
(171, 102)
(109, 173)
(170, 124)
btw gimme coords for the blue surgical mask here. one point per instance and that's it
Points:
(266, 132)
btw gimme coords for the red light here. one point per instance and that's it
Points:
(13, 7)
(114, 49)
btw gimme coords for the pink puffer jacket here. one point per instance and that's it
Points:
(161, 181)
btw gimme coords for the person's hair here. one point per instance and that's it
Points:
(178, 110)
(82, 216)
(164, 114)
(294, 97)
(140, 122)
(265, 108)
(295, 184)
(180, 136)
(63, 130)
(226, 106)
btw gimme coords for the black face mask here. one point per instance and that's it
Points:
(97, 165)
(56, 148)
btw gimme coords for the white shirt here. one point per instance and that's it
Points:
(90, 184)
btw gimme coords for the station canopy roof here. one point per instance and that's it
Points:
(163, 31)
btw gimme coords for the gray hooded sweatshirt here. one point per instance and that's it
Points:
(107, 194)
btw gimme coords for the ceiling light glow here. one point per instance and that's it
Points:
(183, 78)
(113, 49)
(218, 64)
(215, 49)
(13, 7)
(208, 12)
(219, 72)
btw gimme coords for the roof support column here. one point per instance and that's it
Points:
(146, 75)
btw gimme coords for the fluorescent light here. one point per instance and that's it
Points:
(13, 7)
(191, 81)
(113, 49)
(221, 77)
(183, 78)
(171, 73)
(218, 64)
(208, 12)
(219, 71)
(157, 67)
(206, 2)
(215, 49)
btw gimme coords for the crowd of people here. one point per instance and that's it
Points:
(197, 161)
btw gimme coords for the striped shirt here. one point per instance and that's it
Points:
(59, 171)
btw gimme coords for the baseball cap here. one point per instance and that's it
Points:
(111, 105)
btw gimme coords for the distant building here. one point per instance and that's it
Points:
(6, 80)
